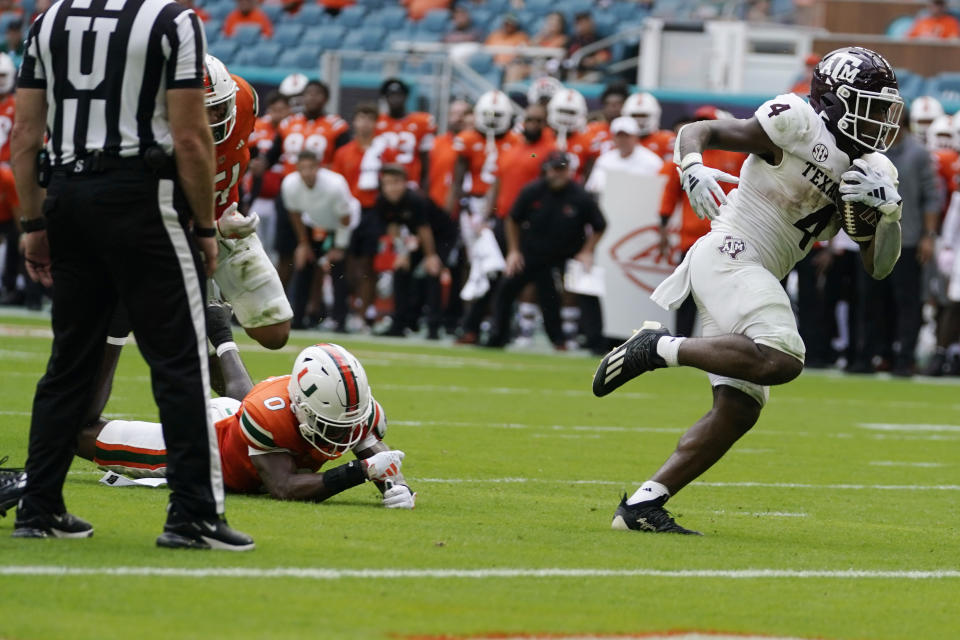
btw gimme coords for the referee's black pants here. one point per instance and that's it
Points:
(121, 236)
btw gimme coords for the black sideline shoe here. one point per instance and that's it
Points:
(647, 516)
(49, 525)
(212, 533)
(12, 483)
(635, 356)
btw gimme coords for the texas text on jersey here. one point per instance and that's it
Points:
(233, 154)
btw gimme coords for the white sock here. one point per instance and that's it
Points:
(227, 346)
(649, 490)
(668, 348)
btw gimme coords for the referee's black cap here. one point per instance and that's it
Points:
(394, 85)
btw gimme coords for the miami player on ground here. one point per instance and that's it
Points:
(275, 431)
(646, 110)
(799, 158)
(245, 275)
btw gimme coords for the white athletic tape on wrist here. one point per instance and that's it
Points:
(116, 341)
(227, 346)
(691, 158)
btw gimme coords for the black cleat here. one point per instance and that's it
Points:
(12, 483)
(647, 516)
(50, 525)
(218, 317)
(212, 533)
(635, 356)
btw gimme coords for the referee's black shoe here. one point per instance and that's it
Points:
(202, 533)
(51, 525)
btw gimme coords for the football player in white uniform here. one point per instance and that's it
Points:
(799, 165)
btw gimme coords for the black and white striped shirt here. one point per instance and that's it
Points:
(106, 66)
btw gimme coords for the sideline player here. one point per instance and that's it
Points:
(646, 110)
(277, 428)
(799, 153)
(409, 135)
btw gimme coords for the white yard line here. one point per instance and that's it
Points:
(319, 573)
(762, 485)
(896, 426)
(898, 463)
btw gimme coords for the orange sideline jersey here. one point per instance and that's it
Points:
(661, 143)
(266, 424)
(233, 154)
(409, 136)
(6, 126)
(8, 194)
(945, 164)
(600, 138)
(346, 162)
(579, 148)
(518, 166)
(319, 136)
(481, 166)
(264, 133)
(691, 226)
(443, 158)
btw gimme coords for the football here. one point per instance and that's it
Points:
(859, 220)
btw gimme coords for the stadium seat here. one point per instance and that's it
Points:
(351, 17)
(219, 10)
(371, 4)
(948, 81)
(481, 62)
(436, 21)
(542, 7)
(372, 38)
(627, 11)
(482, 19)
(573, 7)
(389, 18)
(273, 11)
(288, 59)
(606, 23)
(327, 37)
(247, 35)
(223, 49)
(213, 29)
(307, 57)
(288, 34)
(311, 15)
(899, 27)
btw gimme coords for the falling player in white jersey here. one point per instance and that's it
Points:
(800, 154)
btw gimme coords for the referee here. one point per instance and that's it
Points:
(118, 86)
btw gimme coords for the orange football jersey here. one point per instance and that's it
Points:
(661, 143)
(482, 166)
(263, 136)
(518, 166)
(945, 164)
(8, 194)
(579, 148)
(265, 423)
(409, 136)
(233, 154)
(347, 161)
(6, 125)
(319, 136)
(443, 158)
(691, 226)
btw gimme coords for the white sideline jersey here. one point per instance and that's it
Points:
(782, 210)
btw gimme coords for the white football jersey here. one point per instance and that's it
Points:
(782, 210)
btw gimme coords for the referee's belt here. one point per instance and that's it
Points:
(154, 160)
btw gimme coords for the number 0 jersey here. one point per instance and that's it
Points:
(265, 424)
(233, 154)
(782, 210)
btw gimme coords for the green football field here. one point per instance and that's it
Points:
(838, 516)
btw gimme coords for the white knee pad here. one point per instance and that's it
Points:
(249, 282)
(133, 448)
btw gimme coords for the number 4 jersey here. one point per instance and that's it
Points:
(783, 209)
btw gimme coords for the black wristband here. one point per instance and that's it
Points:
(344, 477)
(204, 232)
(29, 225)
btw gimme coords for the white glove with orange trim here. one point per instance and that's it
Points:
(233, 224)
(384, 465)
(398, 496)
